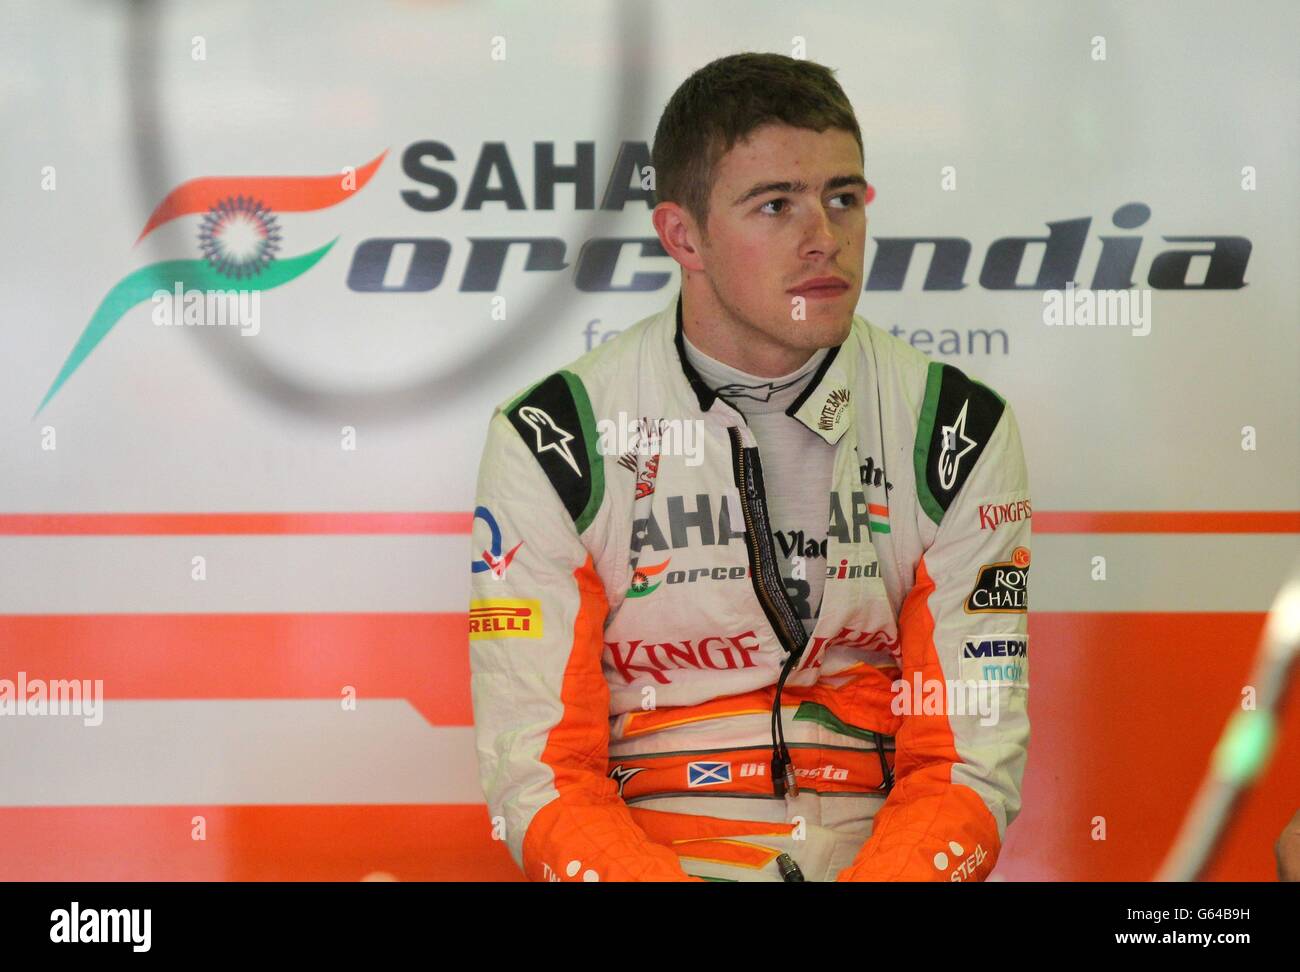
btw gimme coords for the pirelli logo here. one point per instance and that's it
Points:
(505, 618)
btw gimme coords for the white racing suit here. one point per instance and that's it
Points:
(631, 624)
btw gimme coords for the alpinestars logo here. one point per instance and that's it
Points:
(759, 393)
(550, 437)
(620, 774)
(955, 445)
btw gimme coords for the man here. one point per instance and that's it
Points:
(749, 579)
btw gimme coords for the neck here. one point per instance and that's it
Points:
(710, 328)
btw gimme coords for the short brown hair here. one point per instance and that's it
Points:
(723, 102)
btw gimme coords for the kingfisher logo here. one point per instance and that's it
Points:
(993, 515)
(239, 241)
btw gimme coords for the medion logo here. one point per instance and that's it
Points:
(420, 263)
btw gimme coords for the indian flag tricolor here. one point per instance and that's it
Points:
(878, 518)
(239, 242)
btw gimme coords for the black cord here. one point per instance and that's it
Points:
(780, 752)
(886, 774)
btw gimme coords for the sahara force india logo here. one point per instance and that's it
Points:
(641, 585)
(239, 240)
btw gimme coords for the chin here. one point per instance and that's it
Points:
(831, 334)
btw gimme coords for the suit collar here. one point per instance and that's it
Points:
(703, 393)
(825, 405)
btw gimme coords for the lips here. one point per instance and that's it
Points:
(820, 287)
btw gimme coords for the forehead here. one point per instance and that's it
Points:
(779, 151)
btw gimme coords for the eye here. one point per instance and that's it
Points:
(852, 198)
(771, 202)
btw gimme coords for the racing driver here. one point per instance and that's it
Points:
(749, 577)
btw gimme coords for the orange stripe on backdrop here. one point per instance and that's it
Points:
(277, 843)
(190, 524)
(290, 523)
(1168, 521)
(423, 658)
(1125, 710)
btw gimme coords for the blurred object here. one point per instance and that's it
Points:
(1244, 748)
(1288, 851)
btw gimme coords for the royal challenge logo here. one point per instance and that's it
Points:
(242, 247)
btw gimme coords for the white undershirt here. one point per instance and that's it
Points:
(797, 466)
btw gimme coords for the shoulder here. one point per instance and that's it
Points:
(914, 377)
(952, 418)
(556, 417)
(600, 367)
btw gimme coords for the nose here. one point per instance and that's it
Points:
(822, 235)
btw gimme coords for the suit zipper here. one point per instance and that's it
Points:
(767, 579)
(772, 597)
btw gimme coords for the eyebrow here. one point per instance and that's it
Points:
(836, 182)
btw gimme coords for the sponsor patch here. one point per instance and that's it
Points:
(636, 657)
(957, 420)
(555, 421)
(641, 585)
(495, 558)
(1001, 588)
(707, 774)
(620, 774)
(993, 515)
(957, 864)
(505, 618)
(833, 409)
(871, 474)
(996, 658)
(645, 479)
